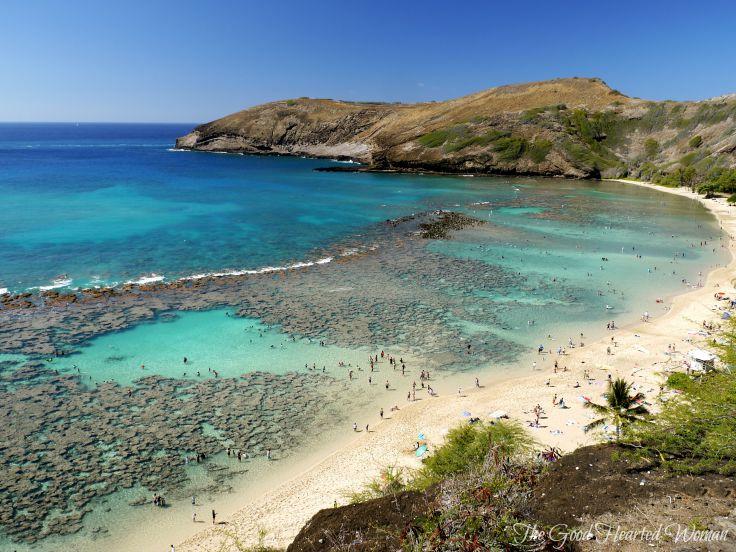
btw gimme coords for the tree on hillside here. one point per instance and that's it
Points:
(621, 408)
(651, 148)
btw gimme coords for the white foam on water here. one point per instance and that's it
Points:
(146, 280)
(346, 161)
(3, 291)
(56, 284)
(97, 282)
(264, 270)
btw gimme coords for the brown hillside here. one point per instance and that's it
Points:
(575, 127)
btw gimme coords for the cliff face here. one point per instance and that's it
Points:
(564, 127)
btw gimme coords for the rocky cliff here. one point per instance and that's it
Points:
(576, 127)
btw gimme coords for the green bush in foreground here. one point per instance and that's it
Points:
(390, 482)
(696, 430)
(467, 447)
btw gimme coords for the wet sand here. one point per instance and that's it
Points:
(639, 354)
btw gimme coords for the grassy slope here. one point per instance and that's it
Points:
(572, 127)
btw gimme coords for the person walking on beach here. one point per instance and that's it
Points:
(214, 515)
(381, 413)
(194, 517)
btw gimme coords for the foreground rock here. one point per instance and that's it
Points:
(587, 488)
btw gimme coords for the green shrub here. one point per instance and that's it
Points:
(510, 149)
(696, 431)
(651, 148)
(688, 159)
(732, 198)
(648, 171)
(390, 482)
(723, 180)
(678, 380)
(480, 140)
(590, 158)
(531, 114)
(539, 149)
(678, 177)
(291, 102)
(434, 139)
(468, 446)
(695, 141)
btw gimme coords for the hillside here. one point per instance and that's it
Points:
(575, 127)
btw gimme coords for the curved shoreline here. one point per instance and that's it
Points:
(640, 354)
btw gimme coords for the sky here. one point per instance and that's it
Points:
(194, 61)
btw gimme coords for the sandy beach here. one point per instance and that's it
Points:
(641, 353)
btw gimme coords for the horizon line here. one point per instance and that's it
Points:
(98, 123)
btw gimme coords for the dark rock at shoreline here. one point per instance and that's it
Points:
(440, 228)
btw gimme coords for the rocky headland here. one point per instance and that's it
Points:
(574, 127)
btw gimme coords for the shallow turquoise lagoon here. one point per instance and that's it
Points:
(211, 341)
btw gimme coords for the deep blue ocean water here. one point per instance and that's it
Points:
(108, 203)
(94, 204)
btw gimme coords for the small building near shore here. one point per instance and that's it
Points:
(701, 360)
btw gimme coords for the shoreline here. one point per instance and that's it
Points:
(640, 354)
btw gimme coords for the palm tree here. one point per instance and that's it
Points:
(622, 408)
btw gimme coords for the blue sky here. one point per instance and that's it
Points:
(194, 61)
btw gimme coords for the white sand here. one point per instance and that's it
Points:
(640, 355)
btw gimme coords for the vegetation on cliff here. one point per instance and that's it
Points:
(576, 127)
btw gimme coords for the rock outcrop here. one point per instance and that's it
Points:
(574, 127)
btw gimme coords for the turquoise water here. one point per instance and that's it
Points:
(102, 204)
(212, 341)
(99, 204)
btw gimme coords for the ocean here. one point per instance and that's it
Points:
(318, 282)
